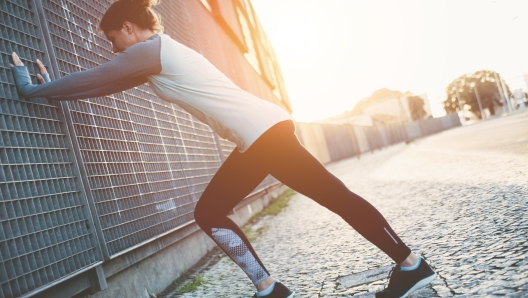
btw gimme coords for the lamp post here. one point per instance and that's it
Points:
(506, 95)
(504, 107)
(460, 103)
(478, 100)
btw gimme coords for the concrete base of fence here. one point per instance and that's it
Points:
(150, 268)
(153, 274)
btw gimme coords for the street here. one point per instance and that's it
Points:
(459, 198)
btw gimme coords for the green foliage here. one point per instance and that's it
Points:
(277, 205)
(484, 81)
(416, 106)
(250, 235)
(273, 209)
(192, 285)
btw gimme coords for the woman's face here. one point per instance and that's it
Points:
(121, 39)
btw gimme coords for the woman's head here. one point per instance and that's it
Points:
(125, 20)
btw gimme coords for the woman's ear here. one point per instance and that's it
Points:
(128, 28)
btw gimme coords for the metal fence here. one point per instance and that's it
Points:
(85, 181)
(329, 142)
(46, 229)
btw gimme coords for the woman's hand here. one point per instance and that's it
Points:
(16, 60)
(42, 68)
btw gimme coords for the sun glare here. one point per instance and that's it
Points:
(299, 35)
(333, 53)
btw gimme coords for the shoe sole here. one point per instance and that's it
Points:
(291, 296)
(422, 283)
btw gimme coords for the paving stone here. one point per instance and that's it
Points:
(459, 198)
(363, 277)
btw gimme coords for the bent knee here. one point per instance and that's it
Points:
(200, 214)
(206, 217)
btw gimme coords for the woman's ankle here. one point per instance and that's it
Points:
(261, 286)
(411, 260)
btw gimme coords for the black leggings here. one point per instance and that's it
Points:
(279, 153)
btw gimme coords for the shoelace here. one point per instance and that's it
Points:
(394, 271)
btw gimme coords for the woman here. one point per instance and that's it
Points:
(263, 133)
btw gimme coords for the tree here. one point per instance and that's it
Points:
(484, 81)
(416, 106)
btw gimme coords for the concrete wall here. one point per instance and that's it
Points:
(331, 142)
(155, 273)
(362, 139)
(313, 140)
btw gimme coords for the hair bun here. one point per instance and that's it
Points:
(138, 12)
(142, 3)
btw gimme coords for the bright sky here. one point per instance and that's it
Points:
(334, 52)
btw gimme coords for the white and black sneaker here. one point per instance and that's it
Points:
(402, 283)
(279, 291)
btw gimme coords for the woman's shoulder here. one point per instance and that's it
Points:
(167, 38)
(146, 47)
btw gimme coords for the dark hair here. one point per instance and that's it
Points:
(137, 12)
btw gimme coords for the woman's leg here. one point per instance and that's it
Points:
(288, 161)
(235, 179)
(279, 153)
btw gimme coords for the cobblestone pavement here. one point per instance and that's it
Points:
(459, 198)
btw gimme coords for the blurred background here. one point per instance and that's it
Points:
(334, 55)
(97, 195)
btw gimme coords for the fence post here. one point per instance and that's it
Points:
(74, 144)
(98, 281)
(219, 147)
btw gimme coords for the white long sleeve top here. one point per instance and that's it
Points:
(176, 74)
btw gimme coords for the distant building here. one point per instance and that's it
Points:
(360, 120)
(384, 107)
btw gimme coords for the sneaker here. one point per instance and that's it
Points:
(402, 283)
(280, 291)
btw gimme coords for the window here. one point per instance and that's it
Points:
(206, 4)
(251, 54)
(274, 78)
(271, 62)
(250, 13)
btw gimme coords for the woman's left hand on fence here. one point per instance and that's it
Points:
(42, 68)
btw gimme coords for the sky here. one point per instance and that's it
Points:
(333, 53)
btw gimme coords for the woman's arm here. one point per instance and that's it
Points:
(102, 91)
(128, 69)
(43, 77)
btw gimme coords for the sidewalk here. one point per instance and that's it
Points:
(459, 198)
